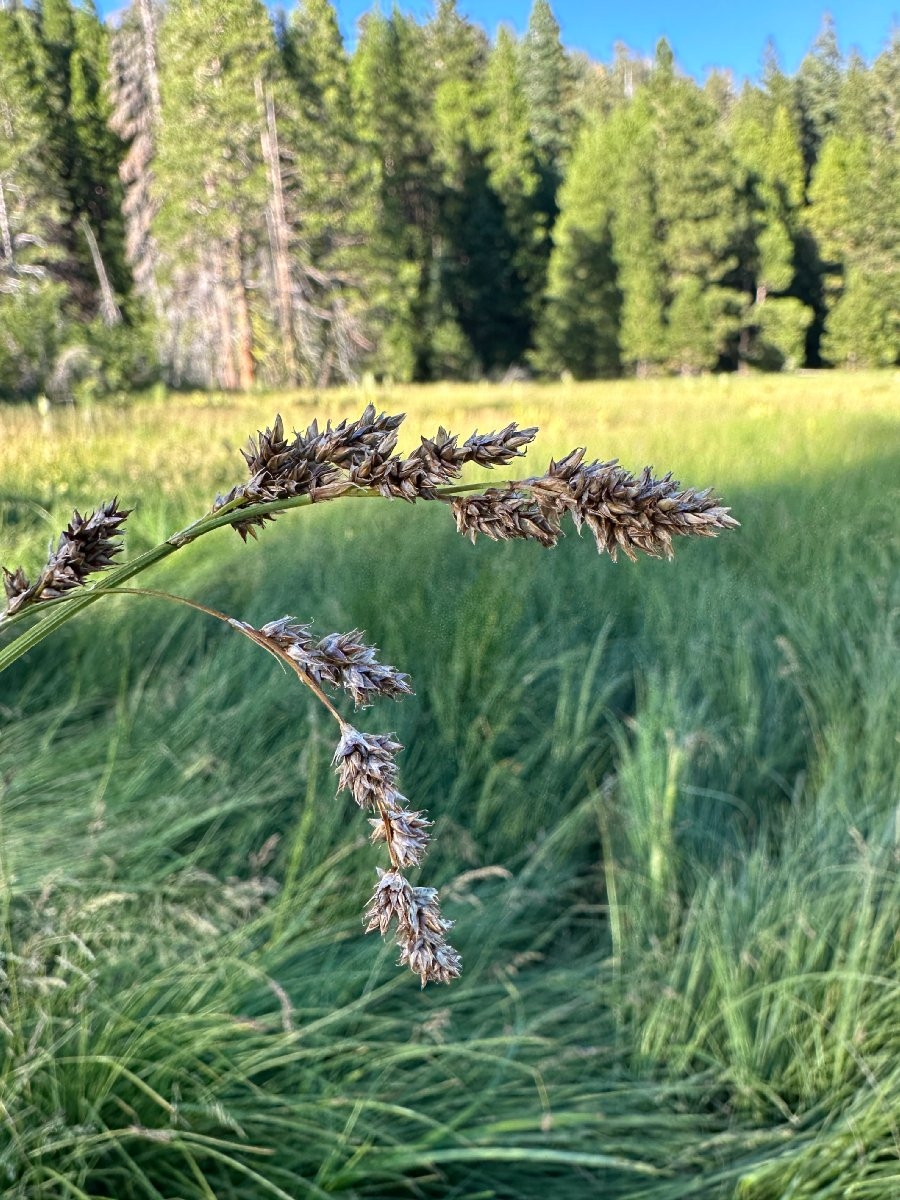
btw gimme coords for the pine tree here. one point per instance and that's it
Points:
(766, 144)
(97, 190)
(547, 82)
(392, 89)
(638, 243)
(514, 176)
(678, 235)
(579, 329)
(863, 328)
(457, 53)
(776, 86)
(704, 221)
(854, 214)
(31, 205)
(316, 190)
(72, 62)
(480, 295)
(547, 85)
(211, 180)
(818, 89)
(886, 92)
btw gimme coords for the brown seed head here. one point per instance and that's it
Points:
(408, 831)
(86, 545)
(366, 766)
(341, 660)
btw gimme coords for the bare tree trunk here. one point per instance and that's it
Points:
(109, 310)
(243, 330)
(227, 370)
(5, 235)
(148, 22)
(279, 234)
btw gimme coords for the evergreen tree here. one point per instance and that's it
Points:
(31, 205)
(211, 182)
(678, 235)
(392, 89)
(579, 329)
(73, 62)
(480, 297)
(469, 219)
(638, 243)
(316, 190)
(135, 119)
(818, 90)
(457, 53)
(886, 92)
(515, 178)
(547, 85)
(767, 146)
(863, 328)
(854, 214)
(777, 87)
(546, 81)
(97, 190)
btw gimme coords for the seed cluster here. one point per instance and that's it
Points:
(624, 512)
(86, 545)
(354, 455)
(341, 660)
(366, 767)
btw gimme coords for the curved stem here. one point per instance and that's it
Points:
(255, 636)
(64, 608)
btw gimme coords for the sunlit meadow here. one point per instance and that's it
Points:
(666, 816)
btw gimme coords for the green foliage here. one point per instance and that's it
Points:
(666, 798)
(863, 328)
(32, 328)
(391, 94)
(210, 178)
(32, 194)
(71, 62)
(854, 205)
(579, 330)
(633, 226)
(767, 147)
(818, 91)
(293, 213)
(546, 83)
(783, 323)
(319, 197)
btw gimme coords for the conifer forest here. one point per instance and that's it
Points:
(207, 194)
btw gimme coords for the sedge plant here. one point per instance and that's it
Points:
(353, 459)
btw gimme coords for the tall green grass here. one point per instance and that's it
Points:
(666, 799)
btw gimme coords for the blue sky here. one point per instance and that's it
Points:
(703, 33)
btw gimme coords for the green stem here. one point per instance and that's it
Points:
(66, 607)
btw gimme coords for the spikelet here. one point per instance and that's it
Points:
(86, 545)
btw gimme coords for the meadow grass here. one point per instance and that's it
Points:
(666, 803)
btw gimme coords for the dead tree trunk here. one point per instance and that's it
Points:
(243, 327)
(279, 233)
(109, 310)
(5, 235)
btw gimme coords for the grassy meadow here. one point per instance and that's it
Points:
(666, 801)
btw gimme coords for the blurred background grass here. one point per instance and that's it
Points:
(666, 805)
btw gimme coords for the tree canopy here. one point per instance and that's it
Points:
(209, 194)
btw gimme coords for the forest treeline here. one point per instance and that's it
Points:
(214, 196)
